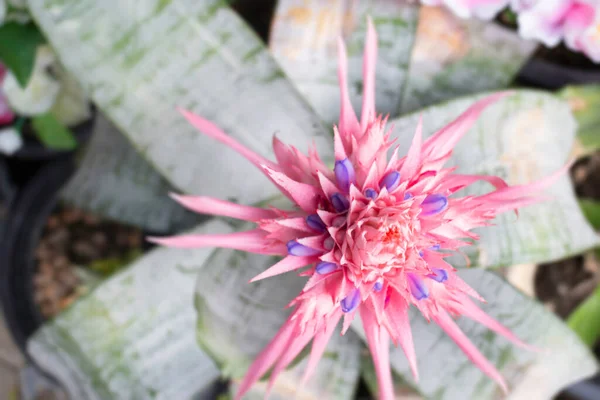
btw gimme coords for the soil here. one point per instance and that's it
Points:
(71, 239)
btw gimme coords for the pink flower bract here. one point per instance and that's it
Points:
(550, 21)
(6, 114)
(373, 233)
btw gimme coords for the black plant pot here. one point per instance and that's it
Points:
(544, 74)
(24, 226)
(588, 389)
(7, 194)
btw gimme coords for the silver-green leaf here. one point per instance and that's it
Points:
(454, 57)
(304, 41)
(446, 373)
(140, 59)
(114, 181)
(133, 336)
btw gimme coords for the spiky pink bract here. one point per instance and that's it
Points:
(374, 233)
(577, 22)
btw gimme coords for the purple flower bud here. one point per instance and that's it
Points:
(390, 181)
(417, 287)
(340, 202)
(315, 222)
(350, 302)
(296, 249)
(440, 275)
(370, 193)
(325, 267)
(378, 286)
(434, 204)
(407, 195)
(344, 174)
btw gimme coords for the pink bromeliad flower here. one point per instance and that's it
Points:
(373, 232)
(550, 21)
(484, 9)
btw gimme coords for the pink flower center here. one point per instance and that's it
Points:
(382, 237)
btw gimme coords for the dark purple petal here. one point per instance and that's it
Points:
(315, 222)
(344, 174)
(391, 181)
(370, 193)
(417, 287)
(325, 267)
(434, 204)
(340, 202)
(350, 302)
(296, 249)
(440, 275)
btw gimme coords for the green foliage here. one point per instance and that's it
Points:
(52, 133)
(585, 103)
(18, 45)
(591, 210)
(585, 320)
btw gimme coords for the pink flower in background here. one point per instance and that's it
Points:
(6, 114)
(484, 9)
(588, 40)
(374, 233)
(550, 21)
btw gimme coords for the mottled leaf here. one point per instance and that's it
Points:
(304, 40)
(522, 138)
(446, 373)
(453, 57)
(140, 59)
(133, 336)
(114, 181)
